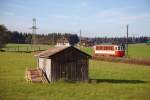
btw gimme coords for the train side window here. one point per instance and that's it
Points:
(109, 48)
(106, 47)
(96, 47)
(112, 48)
(102, 48)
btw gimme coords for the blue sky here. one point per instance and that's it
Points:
(94, 17)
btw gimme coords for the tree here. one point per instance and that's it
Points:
(73, 39)
(28, 38)
(4, 36)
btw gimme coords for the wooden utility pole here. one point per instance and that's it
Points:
(80, 38)
(127, 41)
(53, 39)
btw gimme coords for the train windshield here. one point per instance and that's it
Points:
(115, 48)
(120, 48)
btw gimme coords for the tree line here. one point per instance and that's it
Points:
(51, 38)
(121, 40)
(7, 36)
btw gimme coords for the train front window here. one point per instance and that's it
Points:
(116, 48)
(119, 48)
(122, 47)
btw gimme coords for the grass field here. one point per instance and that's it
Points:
(139, 51)
(25, 47)
(116, 81)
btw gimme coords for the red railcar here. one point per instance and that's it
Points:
(109, 50)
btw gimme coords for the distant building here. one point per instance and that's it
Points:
(148, 42)
(62, 42)
(87, 42)
(68, 63)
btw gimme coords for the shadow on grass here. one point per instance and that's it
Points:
(98, 81)
(22, 51)
(116, 81)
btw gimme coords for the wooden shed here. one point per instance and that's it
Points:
(68, 63)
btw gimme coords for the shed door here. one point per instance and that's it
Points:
(48, 68)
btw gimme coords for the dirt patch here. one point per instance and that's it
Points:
(123, 60)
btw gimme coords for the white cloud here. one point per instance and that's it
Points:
(62, 16)
(134, 18)
(13, 15)
(122, 16)
(9, 13)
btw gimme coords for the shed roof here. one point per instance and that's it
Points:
(52, 51)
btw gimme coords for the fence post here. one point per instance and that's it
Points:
(27, 49)
(18, 48)
(7, 48)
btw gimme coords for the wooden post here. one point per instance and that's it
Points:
(80, 39)
(18, 48)
(127, 43)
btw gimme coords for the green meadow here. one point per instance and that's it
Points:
(139, 51)
(25, 47)
(135, 50)
(115, 81)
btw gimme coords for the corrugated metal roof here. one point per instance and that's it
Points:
(55, 50)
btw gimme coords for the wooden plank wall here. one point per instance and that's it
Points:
(72, 71)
